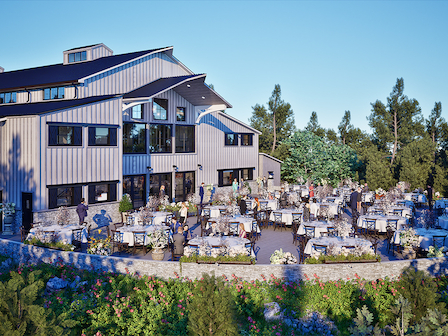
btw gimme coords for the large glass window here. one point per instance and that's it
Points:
(156, 181)
(226, 177)
(137, 111)
(180, 113)
(65, 195)
(102, 192)
(8, 97)
(65, 135)
(185, 184)
(246, 139)
(160, 138)
(231, 139)
(247, 173)
(160, 109)
(185, 139)
(135, 186)
(102, 136)
(77, 56)
(54, 93)
(134, 138)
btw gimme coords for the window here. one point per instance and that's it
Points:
(158, 180)
(246, 139)
(77, 56)
(231, 139)
(8, 97)
(65, 195)
(102, 136)
(185, 139)
(160, 109)
(160, 138)
(135, 186)
(65, 135)
(54, 93)
(247, 174)
(180, 113)
(134, 138)
(102, 192)
(225, 177)
(137, 112)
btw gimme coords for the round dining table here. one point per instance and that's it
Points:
(286, 215)
(337, 241)
(443, 222)
(235, 244)
(128, 232)
(319, 227)
(425, 237)
(381, 221)
(63, 232)
(215, 210)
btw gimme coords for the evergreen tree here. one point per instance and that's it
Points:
(345, 127)
(378, 172)
(313, 126)
(397, 123)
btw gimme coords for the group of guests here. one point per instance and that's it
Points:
(180, 229)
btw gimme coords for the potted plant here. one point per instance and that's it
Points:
(125, 205)
(8, 210)
(410, 241)
(158, 240)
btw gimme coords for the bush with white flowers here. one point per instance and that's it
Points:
(280, 257)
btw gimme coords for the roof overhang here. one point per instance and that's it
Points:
(190, 87)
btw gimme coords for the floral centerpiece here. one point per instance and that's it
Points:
(380, 193)
(153, 202)
(434, 251)
(157, 239)
(224, 253)
(280, 257)
(409, 239)
(100, 246)
(144, 215)
(342, 227)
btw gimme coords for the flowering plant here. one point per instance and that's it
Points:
(437, 195)
(153, 202)
(343, 227)
(380, 192)
(280, 257)
(434, 251)
(144, 215)
(408, 238)
(157, 239)
(8, 208)
(62, 217)
(100, 246)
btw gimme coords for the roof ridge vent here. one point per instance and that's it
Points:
(87, 53)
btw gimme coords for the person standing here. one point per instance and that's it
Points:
(243, 206)
(188, 185)
(201, 192)
(311, 190)
(265, 182)
(429, 190)
(162, 191)
(283, 198)
(178, 241)
(235, 186)
(354, 203)
(183, 213)
(81, 209)
(359, 200)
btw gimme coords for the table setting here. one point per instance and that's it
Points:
(319, 227)
(63, 233)
(220, 245)
(381, 221)
(128, 232)
(425, 237)
(337, 242)
(215, 210)
(152, 218)
(286, 215)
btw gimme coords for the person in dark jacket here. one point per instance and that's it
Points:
(354, 203)
(201, 192)
(243, 206)
(429, 190)
(283, 198)
(81, 209)
(178, 241)
(306, 212)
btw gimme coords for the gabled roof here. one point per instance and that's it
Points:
(60, 73)
(48, 106)
(270, 157)
(191, 87)
(239, 122)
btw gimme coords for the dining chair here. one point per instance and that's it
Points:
(206, 212)
(139, 241)
(222, 212)
(256, 250)
(278, 222)
(322, 249)
(249, 247)
(438, 241)
(169, 234)
(262, 219)
(398, 212)
(309, 231)
(331, 232)
(117, 241)
(168, 218)
(392, 223)
(370, 225)
(77, 237)
(264, 205)
(233, 228)
(297, 218)
(253, 234)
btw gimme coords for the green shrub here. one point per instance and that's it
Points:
(363, 324)
(211, 310)
(421, 292)
(125, 204)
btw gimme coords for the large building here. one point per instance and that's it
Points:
(99, 125)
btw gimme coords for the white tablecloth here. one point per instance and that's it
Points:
(333, 199)
(128, 234)
(334, 240)
(272, 204)
(419, 198)
(441, 204)
(286, 215)
(315, 208)
(236, 244)
(319, 227)
(64, 233)
(443, 222)
(425, 237)
(381, 221)
(159, 217)
(214, 210)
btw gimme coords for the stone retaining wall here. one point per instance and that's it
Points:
(167, 269)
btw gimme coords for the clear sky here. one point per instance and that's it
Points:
(327, 56)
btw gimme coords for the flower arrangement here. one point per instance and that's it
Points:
(408, 238)
(342, 227)
(293, 198)
(437, 195)
(223, 197)
(153, 202)
(434, 251)
(403, 186)
(380, 192)
(280, 257)
(99, 246)
(62, 217)
(157, 239)
(8, 209)
(144, 215)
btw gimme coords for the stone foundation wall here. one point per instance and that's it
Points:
(167, 269)
(97, 214)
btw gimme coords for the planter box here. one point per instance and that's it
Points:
(350, 261)
(224, 262)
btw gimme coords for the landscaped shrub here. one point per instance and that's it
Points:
(363, 324)
(421, 291)
(211, 307)
(20, 314)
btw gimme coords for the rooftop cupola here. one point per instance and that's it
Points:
(87, 53)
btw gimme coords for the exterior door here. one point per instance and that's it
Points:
(27, 210)
(135, 186)
(185, 184)
(156, 181)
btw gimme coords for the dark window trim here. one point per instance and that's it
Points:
(171, 137)
(146, 137)
(55, 123)
(77, 194)
(112, 139)
(166, 110)
(251, 141)
(111, 194)
(142, 112)
(194, 138)
(13, 94)
(185, 113)
(77, 137)
(225, 139)
(53, 87)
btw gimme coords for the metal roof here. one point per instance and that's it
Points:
(60, 73)
(48, 106)
(190, 87)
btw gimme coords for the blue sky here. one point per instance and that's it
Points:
(328, 56)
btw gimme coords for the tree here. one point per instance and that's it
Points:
(345, 126)
(397, 123)
(312, 157)
(313, 125)
(378, 172)
(275, 125)
(435, 124)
